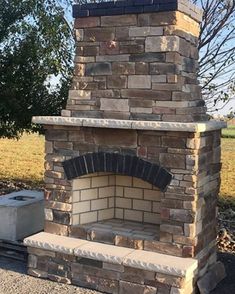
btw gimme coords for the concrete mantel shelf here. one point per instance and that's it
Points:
(130, 124)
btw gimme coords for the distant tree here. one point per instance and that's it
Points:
(217, 52)
(36, 48)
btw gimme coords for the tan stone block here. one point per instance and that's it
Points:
(89, 194)
(101, 181)
(156, 207)
(153, 195)
(161, 247)
(99, 204)
(113, 267)
(172, 79)
(116, 82)
(126, 287)
(108, 286)
(166, 87)
(182, 215)
(123, 202)
(123, 68)
(146, 94)
(178, 282)
(133, 215)
(112, 58)
(40, 252)
(88, 217)
(133, 193)
(145, 31)
(55, 228)
(172, 160)
(106, 192)
(125, 181)
(48, 214)
(99, 34)
(166, 237)
(119, 191)
(141, 110)
(138, 183)
(105, 214)
(119, 213)
(114, 104)
(119, 20)
(172, 229)
(48, 147)
(79, 184)
(83, 206)
(139, 81)
(152, 218)
(111, 202)
(142, 205)
(85, 22)
(58, 205)
(141, 68)
(162, 44)
(158, 78)
(79, 94)
(165, 110)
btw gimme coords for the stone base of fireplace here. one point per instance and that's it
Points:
(108, 268)
(118, 232)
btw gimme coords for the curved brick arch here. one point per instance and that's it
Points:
(117, 163)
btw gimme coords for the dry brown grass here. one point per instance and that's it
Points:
(23, 161)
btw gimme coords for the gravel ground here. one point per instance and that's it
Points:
(14, 280)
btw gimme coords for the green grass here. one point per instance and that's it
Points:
(23, 161)
(229, 132)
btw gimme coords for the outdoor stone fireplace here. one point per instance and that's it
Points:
(132, 166)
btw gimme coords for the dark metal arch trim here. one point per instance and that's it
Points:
(120, 164)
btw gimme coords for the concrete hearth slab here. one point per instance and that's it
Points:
(103, 252)
(54, 242)
(161, 263)
(21, 214)
(139, 259)
(130, 124)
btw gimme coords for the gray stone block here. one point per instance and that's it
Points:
(21, 214)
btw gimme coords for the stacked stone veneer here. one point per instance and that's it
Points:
(107, 268)
(137, 66)
(187, 209)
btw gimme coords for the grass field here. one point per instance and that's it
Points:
(229, 132)
(23, 161)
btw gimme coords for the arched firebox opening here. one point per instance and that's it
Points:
(120, 164)
(116, 198)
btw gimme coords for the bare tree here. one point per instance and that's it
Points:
(217, 52)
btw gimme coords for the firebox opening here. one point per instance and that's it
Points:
(112, 205)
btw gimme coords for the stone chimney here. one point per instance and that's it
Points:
(140, 64)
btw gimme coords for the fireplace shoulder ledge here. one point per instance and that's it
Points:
(130, 124)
